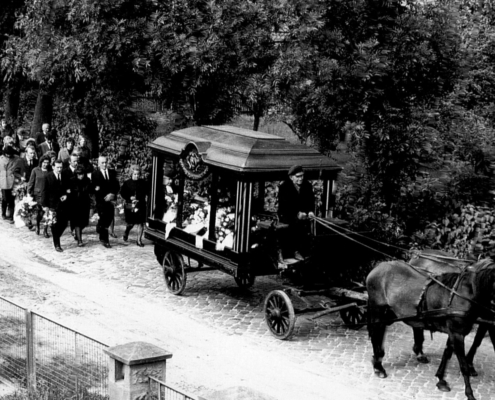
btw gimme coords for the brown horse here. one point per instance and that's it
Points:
(440, 262)
(397, 291)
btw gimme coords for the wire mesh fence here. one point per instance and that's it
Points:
(68, 358)
(159, 390)
(36, 352)
(13, 358)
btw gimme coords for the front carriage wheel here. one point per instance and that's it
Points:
(245, 280)
(174, 272)
(354, 317)
(279, 314)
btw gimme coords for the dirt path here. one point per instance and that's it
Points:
(204, 360)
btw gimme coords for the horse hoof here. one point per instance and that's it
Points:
(380, 373)
(473, 372)
(443, 386)
(423, 359)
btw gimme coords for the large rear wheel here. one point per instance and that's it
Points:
(174, 272)
(279, 314)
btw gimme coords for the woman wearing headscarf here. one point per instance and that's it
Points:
(133, 191)
(37, 189)
(80, 190)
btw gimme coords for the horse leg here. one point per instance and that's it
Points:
(419, 338)
(447, 354)
(480, 334)
(377, 335)
(459, 349)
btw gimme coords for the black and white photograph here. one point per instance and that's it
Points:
(247, 200)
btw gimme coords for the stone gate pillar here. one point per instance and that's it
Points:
(129, 367)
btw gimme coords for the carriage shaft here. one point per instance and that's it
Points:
(333, 309)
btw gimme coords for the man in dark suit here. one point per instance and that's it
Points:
(50, 144)
(68, 172)
(106, 186)
(28, 162)
(56, 200)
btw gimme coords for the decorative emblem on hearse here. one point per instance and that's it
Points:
(191, 160)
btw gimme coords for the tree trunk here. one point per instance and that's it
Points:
(11, 99)
(91, 133)
(43, 111)
(258, 113)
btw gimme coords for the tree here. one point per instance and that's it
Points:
(9, 83)
(206, 58)
(82, 53)
(375, 66)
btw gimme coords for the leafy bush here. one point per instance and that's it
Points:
(471, 230)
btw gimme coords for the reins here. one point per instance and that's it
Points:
(426, 274)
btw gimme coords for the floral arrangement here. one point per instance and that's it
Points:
(27, 208)
(49, 218)
(119, 207)
(19, 190)
(94, 218)
(197, 213)
(224, 226)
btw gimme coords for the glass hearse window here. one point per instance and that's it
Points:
(165, 188)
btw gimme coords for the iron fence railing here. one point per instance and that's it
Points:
(159, 390)
(38, 352)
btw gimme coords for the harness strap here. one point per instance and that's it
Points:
(419, 271)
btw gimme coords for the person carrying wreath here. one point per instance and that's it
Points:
(296, 205)
(134, 192)
(56, 201)
(38, 191)
(80, 190)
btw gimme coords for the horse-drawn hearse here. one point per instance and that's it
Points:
(214, 204)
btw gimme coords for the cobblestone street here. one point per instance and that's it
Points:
(323, 347)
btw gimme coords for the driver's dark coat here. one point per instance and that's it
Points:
(291, 201)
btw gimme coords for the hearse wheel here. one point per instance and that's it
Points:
(245, 280)
(279, 314)
(174, 272)
(354, 317)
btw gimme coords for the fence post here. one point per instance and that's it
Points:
(30, 356)
(130, 365)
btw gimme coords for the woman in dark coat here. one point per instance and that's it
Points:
(80, 202)
(134, 191)
(37, 189)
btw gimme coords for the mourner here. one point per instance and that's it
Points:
(105, 186)
(9, 173)
(80, 190)
(84, 153)
(37, 189)
(56, 201)
(65, 152)
(5, 129)
(133, 192)
(50, 144)
(28, 162)
(296, 205)
(41, 136)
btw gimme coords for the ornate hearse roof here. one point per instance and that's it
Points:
(244, 152)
